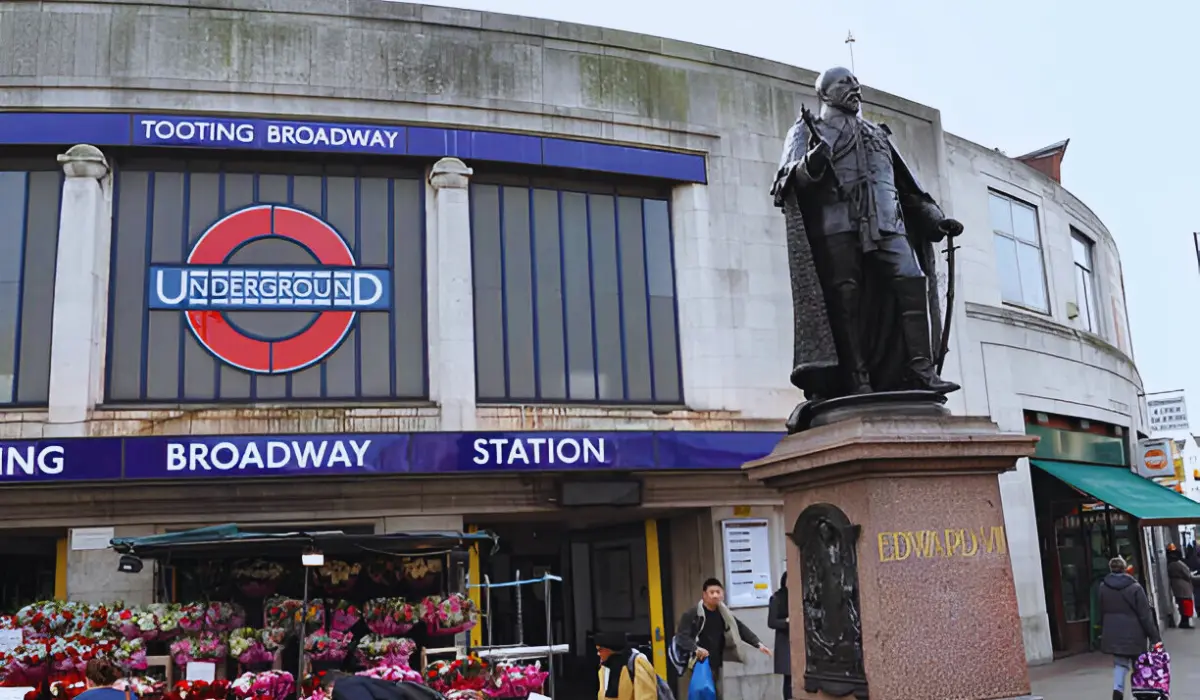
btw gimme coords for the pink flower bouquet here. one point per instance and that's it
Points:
(141, 687)
(389, 617)
(515, 681)
(327, 646)
(345, 615)
(130, 655)
(246, 645)
(223, 617)
(393, 674)
(374, 650)
(206, 646)
(269, 685)
(450, 615)
(192, 617)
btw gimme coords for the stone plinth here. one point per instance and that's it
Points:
(936, 598)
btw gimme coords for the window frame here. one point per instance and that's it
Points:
(1012, 236)
(1092, 294)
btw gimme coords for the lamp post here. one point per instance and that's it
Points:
(309, 559)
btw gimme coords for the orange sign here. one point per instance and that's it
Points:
(1156, 459)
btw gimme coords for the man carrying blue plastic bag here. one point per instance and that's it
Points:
(705, 638)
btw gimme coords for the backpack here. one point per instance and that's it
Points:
(664, 690)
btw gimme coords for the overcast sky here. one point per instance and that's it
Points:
(1019, 75)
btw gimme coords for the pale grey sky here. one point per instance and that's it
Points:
(1117, 78)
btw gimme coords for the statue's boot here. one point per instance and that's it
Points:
(849, 341)
(910, 294)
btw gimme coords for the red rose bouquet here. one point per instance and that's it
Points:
(327, 646)
(468, 673)
(345, 615)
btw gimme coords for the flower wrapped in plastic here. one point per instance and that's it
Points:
(278, 611)
(223, 617)
(130, 655)
(422, 573)
(449, 615)
(268, 685)
(192, 617)
(392, 674)
(93, 621)
(389, 617)
(374, 650)
(198, 690)
(337, 576)
(167, 618)
(72, 653)
(246, 645)
(41, 619)
(468, 673)
(26, 665)
(140, 686)
(206, 646)
(327, 645)
(511, 680)
(345, 615)
(257, 578)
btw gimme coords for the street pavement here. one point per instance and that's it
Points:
(1089, 676)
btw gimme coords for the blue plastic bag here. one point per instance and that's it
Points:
(702, 685)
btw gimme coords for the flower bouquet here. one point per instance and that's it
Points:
(257, 578)
(46, 619)
(279, 612)
(93, 621)
(468, 673)
(450, 615)
(223, 617)
(269, 685)
(385, 571)
(389, 617)
(465, 694)
(26, 665)
(375, 651)
(129, 655)
(511, 680)
(141, 687)
(246, 645)
(392, 674)
(166, 618)
(65, 686)
(337, 577)
(198, 690)
(421, 573)
(325, 647)
(345, 615)
(73, 653)
(192, 617)
(206, 646)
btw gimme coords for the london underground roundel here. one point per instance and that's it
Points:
(207, 286)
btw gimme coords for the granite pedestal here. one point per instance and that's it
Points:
(937, 603)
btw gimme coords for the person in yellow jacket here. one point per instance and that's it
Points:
(616, 682)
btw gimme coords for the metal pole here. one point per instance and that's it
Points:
(487, 589)
(303, 631)
(549, 631)
(520, 613)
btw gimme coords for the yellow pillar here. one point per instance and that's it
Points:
(658, 627)
(473, 591)
(60, 570)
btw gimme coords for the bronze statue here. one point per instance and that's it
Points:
(861, 231)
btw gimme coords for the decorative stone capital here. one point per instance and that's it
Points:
(84, 161)
(450, 173)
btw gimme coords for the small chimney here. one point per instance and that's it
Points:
(1048, 160)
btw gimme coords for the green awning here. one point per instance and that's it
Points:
(1124, 490)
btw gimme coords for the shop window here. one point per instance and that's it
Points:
(161, 209)
(574, 296)
(29, 204)
(1018, 252)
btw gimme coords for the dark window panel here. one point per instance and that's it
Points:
(489, 291)
(13, 194)
(606, 293)
(551, 335)
(408, 271)
(634, 307)
(577, 284)
(518, 293)
(660, 280)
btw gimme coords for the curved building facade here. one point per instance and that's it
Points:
(400, 267)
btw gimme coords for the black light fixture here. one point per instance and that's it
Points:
(130, 564)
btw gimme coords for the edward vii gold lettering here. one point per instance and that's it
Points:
(945, 544)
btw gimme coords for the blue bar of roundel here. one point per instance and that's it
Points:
(584, 155)
(60, 460)
(64, 129)
(192, 457)
(700, 450)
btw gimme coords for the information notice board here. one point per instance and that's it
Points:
(747, 546)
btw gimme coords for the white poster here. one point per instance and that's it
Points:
(91, 538)
(201, 671)
(10, 639)
(747, 546)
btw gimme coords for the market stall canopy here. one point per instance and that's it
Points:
(1126, 491)
(230, 540)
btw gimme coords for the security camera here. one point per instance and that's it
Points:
(130, 564)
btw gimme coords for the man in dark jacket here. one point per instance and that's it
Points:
(1127, 623)
(778, 620)
(711, 632)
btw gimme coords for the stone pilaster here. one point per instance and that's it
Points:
(451, 295)
(80, 291)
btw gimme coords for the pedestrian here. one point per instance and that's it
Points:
(616, 680)
(1182, 586)
(101, 675)
(1127, 623)
(711, 632)
(777, 619)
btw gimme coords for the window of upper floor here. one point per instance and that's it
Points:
(1018, 252)
(1083, 251)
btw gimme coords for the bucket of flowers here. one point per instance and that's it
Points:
(511, 680)
(374, 650)
(327, 649)
(192, 617)
(467, 673)
(392, 674)
(223, 617)
(449, 615)
(389, 617)
(246, 645)
(257, 578)
(345, 615)
(206, 646)
(422, 574)
(130, 655)
(268, 685)
(166, 616)
(337, 577)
